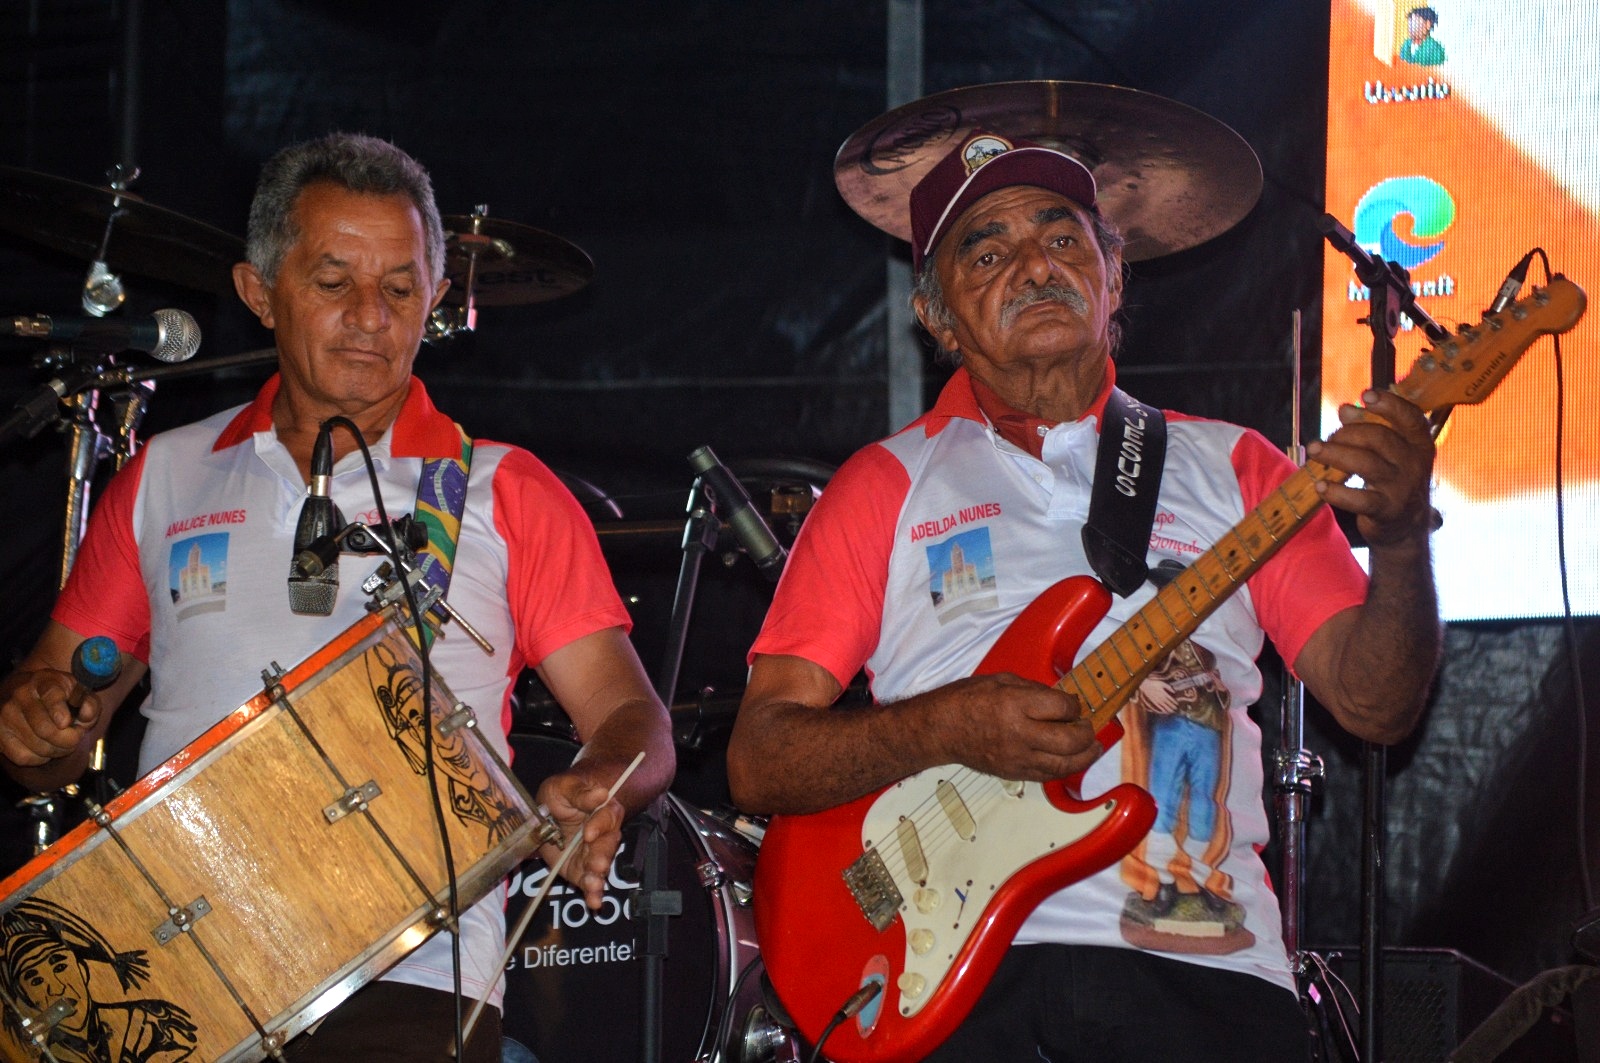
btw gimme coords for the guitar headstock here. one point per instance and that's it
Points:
(1465, 368)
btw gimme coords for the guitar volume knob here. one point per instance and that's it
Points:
(922, 941)
(927, 900)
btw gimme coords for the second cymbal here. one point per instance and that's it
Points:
(1170, 176)
(511, 263)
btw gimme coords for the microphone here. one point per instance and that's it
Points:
(95, 665)
(1511, 285)
(748, 526)
(312, 593)
(169, 335)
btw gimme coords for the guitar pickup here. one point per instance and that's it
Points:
(873, 888)
(956, 810)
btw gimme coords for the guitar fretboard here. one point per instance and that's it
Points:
(1109, 675)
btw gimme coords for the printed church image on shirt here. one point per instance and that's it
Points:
(198, 574)
(962, 574)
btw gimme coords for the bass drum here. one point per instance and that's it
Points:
(574, 984)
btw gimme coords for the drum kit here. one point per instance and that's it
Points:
(179, 907)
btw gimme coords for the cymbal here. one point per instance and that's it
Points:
(1170, 176)
(146, 240)
(515, 263)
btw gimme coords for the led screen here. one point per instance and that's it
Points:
(1462, 134)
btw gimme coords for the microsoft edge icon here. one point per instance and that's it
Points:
(1431, 209)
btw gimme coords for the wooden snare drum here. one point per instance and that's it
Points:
(251, 883)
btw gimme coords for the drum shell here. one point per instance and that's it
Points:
(303, 904)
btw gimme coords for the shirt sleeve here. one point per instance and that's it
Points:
(558, 586)
(105, 592)
(1314, 575)
(829, 604)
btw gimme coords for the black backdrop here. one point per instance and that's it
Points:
(737, 302)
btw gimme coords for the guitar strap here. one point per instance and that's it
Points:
(1122, 502)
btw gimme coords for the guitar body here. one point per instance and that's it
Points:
(964, 886)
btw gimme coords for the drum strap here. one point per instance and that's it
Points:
(441, 499)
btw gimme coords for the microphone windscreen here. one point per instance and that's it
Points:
(313, 597)
(180, 336)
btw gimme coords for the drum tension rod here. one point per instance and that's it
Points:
(180, 920)
(354, 798)
(461, 715)
(36, 1031)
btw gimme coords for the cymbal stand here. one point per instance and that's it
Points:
(87, 446)
(1389, 295)
(446, 322)
(1296, 768)
(103, 290)
(71, 401)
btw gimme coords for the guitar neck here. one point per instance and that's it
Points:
(1464, 368)
(1107, 678)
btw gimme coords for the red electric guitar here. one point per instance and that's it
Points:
(922, 885)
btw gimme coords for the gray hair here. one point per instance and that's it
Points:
(356, 162)
(926, 286)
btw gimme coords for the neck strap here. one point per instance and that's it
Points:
(441, 499)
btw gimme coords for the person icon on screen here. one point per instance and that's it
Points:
(1420, 49)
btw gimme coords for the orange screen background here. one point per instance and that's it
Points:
(1495, 474)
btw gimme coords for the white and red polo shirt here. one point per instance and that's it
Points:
(926, 545)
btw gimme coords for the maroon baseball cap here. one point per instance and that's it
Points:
(983, 163)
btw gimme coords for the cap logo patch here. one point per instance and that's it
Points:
(981, 149)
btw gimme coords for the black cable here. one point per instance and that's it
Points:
(453, 907)
(725, 1024)
(816, 1050)
(1569, 627)
(853, 1004)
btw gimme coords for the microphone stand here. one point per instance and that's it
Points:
(86, 446)
(653, 904)
(1389, 294)
(78, 388)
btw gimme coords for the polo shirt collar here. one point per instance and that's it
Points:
(420, 431)
(957, 399)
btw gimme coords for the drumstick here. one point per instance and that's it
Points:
(515, 937)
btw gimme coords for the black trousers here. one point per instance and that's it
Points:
(1084, 1004)
(389, 1022)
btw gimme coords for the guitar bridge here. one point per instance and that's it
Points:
(874, 890)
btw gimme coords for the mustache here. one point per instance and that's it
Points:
(1058, 293)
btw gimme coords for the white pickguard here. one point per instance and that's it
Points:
(1012, 825)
